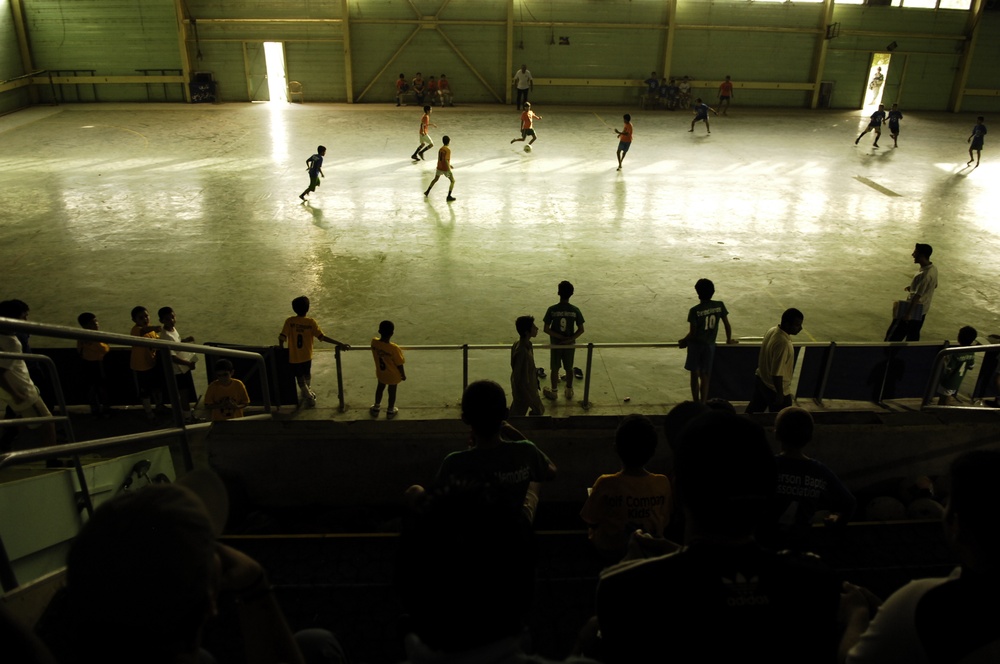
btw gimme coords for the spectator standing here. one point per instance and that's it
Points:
(523, 373)
(300, 331)
(183, 362)
(773, 382)
(388, 368)
(92, 354)
(563, 324)
(143, 362)
(17, 390)
(703, 329)
(524, 83)
(909, 315)
(226, 396)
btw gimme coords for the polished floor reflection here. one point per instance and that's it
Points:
(109, 206)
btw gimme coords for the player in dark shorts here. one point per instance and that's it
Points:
(878, 117)
(976, 139)
(701, 110)
(895, 115)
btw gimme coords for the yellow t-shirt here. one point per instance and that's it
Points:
(92, 351)
(444, 158)
(217, 392)
(619, 504)
(388, 358)
(299, 332)
(143, 359)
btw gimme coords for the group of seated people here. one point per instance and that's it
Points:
(671, 95)
(146, 574)
(434, 92)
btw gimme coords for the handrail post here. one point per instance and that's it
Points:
(340, 379)
(8, 580)
(465, 367)
(586, 377)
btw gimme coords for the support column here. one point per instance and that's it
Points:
(968, 49)
(24, 46)
(668, 48)
(510, 52)
(183, 48)
(819, 56)
(345, 26)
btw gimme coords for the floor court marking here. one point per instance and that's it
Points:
(875, 186)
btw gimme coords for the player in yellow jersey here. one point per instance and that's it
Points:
(388, 368)
(443, 168)
(299, 331)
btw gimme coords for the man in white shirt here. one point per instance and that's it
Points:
(921, 291)
(773, 381)
(523, 83)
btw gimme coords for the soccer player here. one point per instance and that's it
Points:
(701, 110)
(425, 140)
(725, 94)
(624, 139)
(443, 168)
(528, 118)
(975, 140)
(878, 117)
(314, 165)
(895, 115)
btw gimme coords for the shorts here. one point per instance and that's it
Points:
(977, 144)
(624, 146)
(700, 357)
(446, 174)
(425, 139)
(185, 381)
(92, 372)
(302, 369)
(701, 116)
(313, 181)
(563, 357)
(150, 380)
(724, 98)
(528, 132)
(876, 127)
(893, 128)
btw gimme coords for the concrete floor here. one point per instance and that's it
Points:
(103, 207)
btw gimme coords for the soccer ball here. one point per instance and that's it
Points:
(527, 148)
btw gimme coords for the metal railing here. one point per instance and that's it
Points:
(936, 373)
(181, 431)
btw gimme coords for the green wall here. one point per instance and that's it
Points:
(10, 61)
(614, 40)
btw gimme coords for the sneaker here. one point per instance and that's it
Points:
(450, 199)
(421, 155)
(540, 372)
(549, 394)
(414, 157)
(569, 393)
(578, 373)
(391, 413)
(375, 409)
(310, 402)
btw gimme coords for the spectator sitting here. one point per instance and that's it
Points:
(444, 91)
(160, 541)
(402, 87)
(512, 465)
(955, 368)
(722, 598)
(631, 499)
(466, 576)
(806, 487)
(432, 90)
(419, 87)
(950, 619)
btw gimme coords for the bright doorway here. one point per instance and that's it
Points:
(274, 57)
(878, 72)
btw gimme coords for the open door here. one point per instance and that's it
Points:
(255, 67)
(875, 83)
